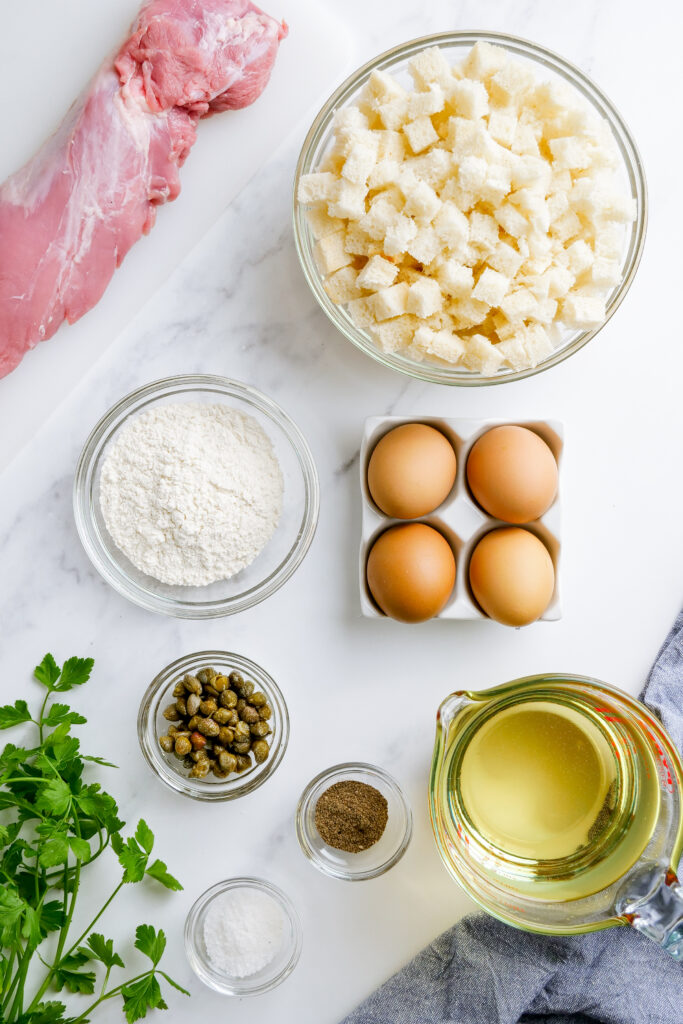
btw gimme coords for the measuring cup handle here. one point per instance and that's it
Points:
(652, 902)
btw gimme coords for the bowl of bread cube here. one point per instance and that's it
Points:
(469, 208)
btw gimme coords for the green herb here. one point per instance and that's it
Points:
(54, 824)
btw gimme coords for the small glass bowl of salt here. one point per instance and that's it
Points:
(243, 937)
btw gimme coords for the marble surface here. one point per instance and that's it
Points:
(359, 688)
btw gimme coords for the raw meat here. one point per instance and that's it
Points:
(68, 218)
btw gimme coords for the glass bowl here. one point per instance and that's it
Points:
(152, 725)
(269, 976)
(455, 45)
(382, 855)
(281, 555)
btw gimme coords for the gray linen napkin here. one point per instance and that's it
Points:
(483, 972)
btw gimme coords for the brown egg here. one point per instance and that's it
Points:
(512, 474)
(512, 575)
(411, 572)
(411, 471)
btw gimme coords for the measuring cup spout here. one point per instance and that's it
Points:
(652, 902)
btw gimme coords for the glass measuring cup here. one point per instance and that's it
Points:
(555, 802)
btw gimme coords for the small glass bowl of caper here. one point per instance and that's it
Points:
(213, 725)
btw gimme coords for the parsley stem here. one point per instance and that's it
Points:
(110, 995)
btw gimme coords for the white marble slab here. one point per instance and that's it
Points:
(357, 688)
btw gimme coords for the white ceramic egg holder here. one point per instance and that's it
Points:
(459, 519)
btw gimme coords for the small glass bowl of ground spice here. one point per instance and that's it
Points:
(353, 821)
(243, 937)
(248, 764)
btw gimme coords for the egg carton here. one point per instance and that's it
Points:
(459, 518)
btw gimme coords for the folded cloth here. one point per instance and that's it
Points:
(484, 972)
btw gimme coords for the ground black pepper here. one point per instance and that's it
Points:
(351, 816)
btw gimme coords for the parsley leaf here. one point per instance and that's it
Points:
(99, 948)
(159, 871)
(62, 713)
(54, 797)
(47, 672)
(75, 672)
(14, 714)
(150, 942)
(141, 996)
(70, 976)
(11, 910)
(132, 859)
(44, 1013)
(144, 836)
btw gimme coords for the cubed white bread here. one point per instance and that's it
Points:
(519, 305)
(496, 185)
(570, 154)
(391, 145)
(481, 356)
(484, 60)
(349, 202)
(394, 114)
(512, 220)
(332, 162)
(358, 242)
(505, 259)
(561, 181)
(422, 202)
(536, 343)
(605, 273)
(455, 279)
(502, 126)
(320, 222)
(361, 159)
(467, 313)
(503, 328)
(434, 167)
(558, 204)
(609, 240)
(420, 134)
(531, 172)
(425, 246)
(566, 227)
(378, 273)
(524, 142)
(349, 119)
(362, 312)
(483, 231)
(426, 103)
(534, 268)
(533, 205)
(460, 197)
(443, 344)
(399, 234)
(513, 352)
(582, 310)
(395, 335)
(467, 138)
(424, 298)
(385, 172)
(560, 280)
(593, 198)
(342, 285)
(511, 83)
(439, 321)
(379, 89)
(382, 214)
(472, 173)
(469, 98)
(390, 302)
(430, 66)
(320, 187)
(491, 287)
(330, 254)
(546, 311)
(579, 257)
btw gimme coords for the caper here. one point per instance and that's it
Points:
(166, 743)
(222, 716)
(249, 715)
(192, 684)
(199, 755)
(258, 699)
(188, 762)
(265, 712)
(206, 675)
(182, 746)
(218, 771)
(181, 706)
(243, 762)
(211, 691)
(234, 717)
(207, 707)
(192, 703)
(236, 680)
(207, 727)
(220, 683)
(228, 698)
(260, 750)
(200, 770)
(226, 735)
(241, 705)
(247, 688)
(171, 713)
(259, 729)
(228, 762)
(194, 722)
(241, 732)
(197, 740)
(171, 730)
(179, 690)
(242, 748)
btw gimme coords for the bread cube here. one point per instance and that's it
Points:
(511, 83)
(390, 302)
(391, 145)
(320, 222)
(330, 254)
(452, 226)
(511, 220)
(383, 212)
(394, 114)
(378, 273)
(566, 227)
(483, 231)
(579, 257)
(385, 172)
(525, 142)
(560, 280)
(609, 240)
(491, 287)
(379, 89)
(349, 119)
(502, 126)
(425, 246)
(342, 285)
(361, 159)
(582, 310)
(358, 243)
(519, 305)
(472, 173)
(558, 204)
(469, 98)
(605, 273)
(570, 154)
(426, 103)
(422, 202)
(430, 66)
(496, 184)
(420, 134)
(536, 343)
(531, 172)
(362, 312)
(434, 167)
(546, 311)
(481, 356)
(443, 344)
(395, 335)
(513, 352)
(505, 259)
(561, 181)
(350, 201)
(467, 138)
(468, 313)
(317, 188)
(460, 197)
(399, 235)
(455, 279)
(424, 297)
(484, 60)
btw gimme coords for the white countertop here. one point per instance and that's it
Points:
(359, 688)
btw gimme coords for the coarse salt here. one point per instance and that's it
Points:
(243, 931)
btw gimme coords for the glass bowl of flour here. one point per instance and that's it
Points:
(196, 496)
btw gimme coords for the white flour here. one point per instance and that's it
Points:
(191, 493)
(243, 931)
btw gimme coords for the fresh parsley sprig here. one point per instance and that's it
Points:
(53, 825)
